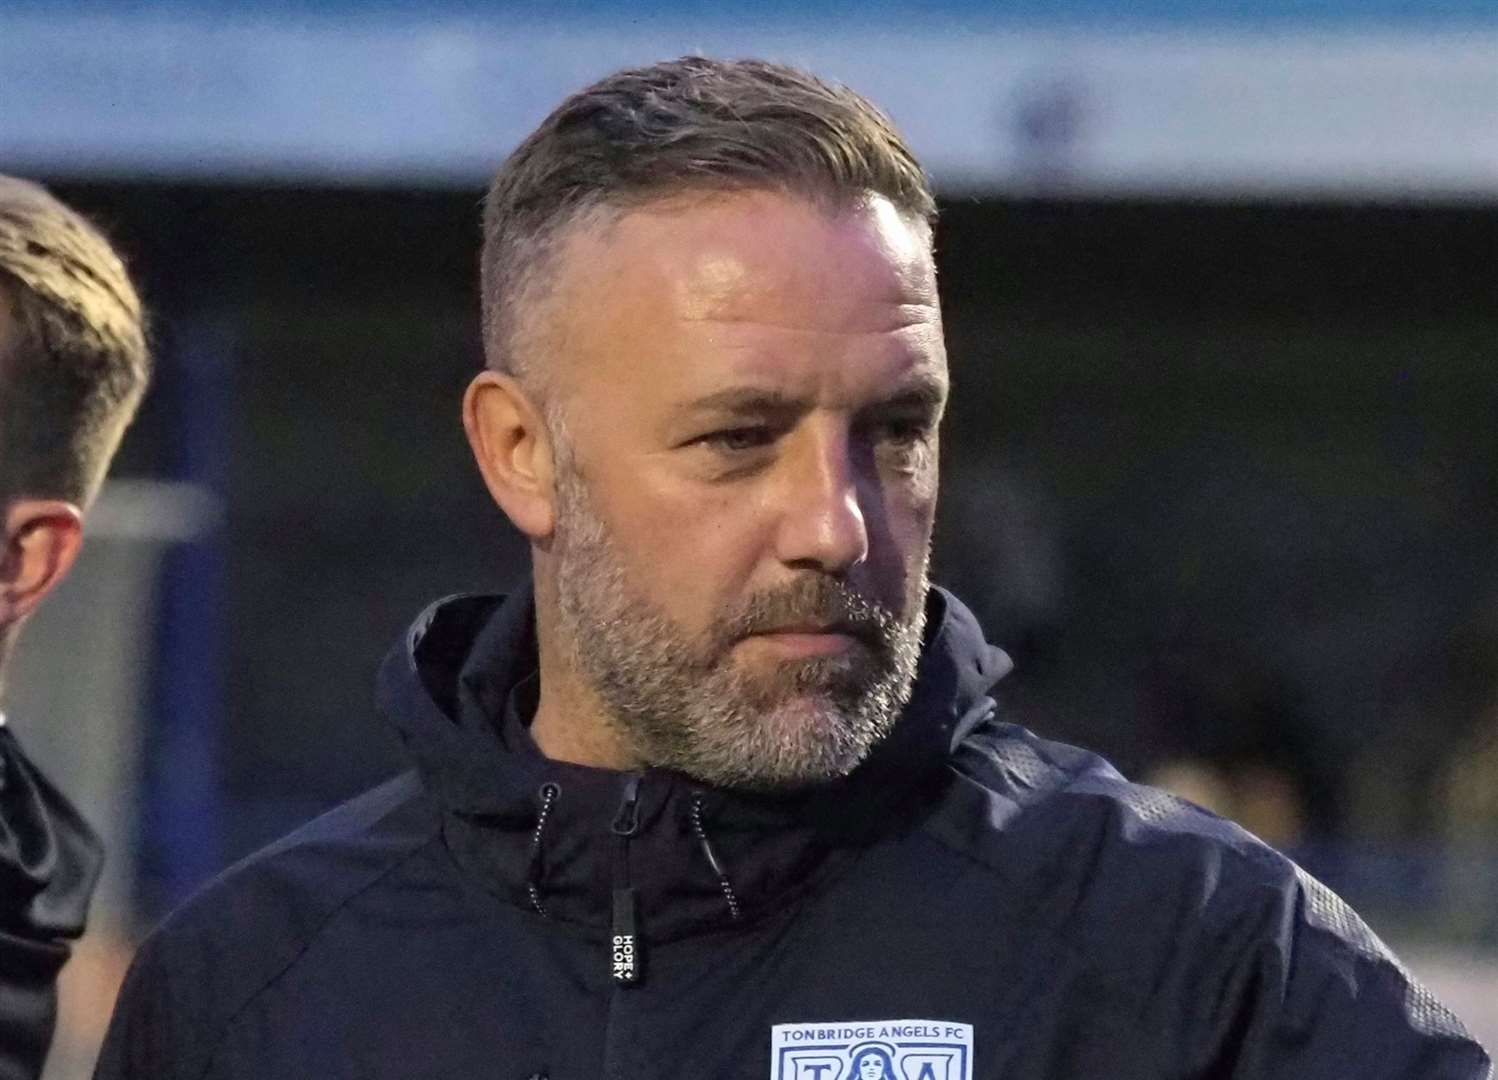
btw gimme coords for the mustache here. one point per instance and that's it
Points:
(817, 601)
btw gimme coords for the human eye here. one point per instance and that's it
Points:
(737, 440)
(903, 440)
(906, 430)
(732, 453)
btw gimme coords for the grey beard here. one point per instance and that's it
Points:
(679, 700)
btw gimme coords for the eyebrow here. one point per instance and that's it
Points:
(746, 399)
(925, 391)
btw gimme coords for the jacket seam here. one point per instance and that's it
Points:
(1020, 915)
(301, 952)
(1386, 964)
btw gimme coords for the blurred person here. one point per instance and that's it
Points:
(1258, 795)
(73, 367)
(722, 790)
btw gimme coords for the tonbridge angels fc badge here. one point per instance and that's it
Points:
(872, 1050)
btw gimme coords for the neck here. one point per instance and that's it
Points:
(571, 723)
(563, 732)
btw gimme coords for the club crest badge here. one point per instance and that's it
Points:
(872, 1050)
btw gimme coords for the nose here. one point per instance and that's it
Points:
(822, 525)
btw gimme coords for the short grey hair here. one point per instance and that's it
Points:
(680, 127)
(73, 378)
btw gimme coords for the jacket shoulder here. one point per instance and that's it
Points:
(1239, 953)
(212, 956)
(1025, 783)
(1070, 841)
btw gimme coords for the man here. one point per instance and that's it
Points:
(723, 794)
(73, 367)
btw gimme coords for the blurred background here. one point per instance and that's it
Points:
(1221, 470)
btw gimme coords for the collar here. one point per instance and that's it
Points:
(547, 835)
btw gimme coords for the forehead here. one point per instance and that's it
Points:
(749, 286)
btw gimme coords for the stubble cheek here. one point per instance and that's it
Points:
(702, 561)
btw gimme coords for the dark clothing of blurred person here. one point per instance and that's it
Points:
(49, 859)
(724, 792)
(73, 367)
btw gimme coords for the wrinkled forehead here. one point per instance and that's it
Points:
(736, 272)
(816, 268)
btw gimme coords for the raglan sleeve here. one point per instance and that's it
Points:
(1311, 993)
(49, 863)
(189, 981)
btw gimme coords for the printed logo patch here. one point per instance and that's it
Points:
(872, 1050)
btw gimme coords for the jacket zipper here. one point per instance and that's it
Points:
(625, 961)
(625, 955)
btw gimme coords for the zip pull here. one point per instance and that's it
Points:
(627, 819)
(624, 943)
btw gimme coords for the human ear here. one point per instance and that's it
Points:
(42, 541)
(513, 449)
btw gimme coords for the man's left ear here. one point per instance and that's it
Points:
(42, 541)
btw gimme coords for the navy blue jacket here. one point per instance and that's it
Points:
(973, 903)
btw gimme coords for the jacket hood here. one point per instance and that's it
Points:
(542, 833)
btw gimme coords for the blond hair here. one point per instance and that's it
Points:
(78, 362)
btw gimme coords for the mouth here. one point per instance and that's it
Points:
(810, 639)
